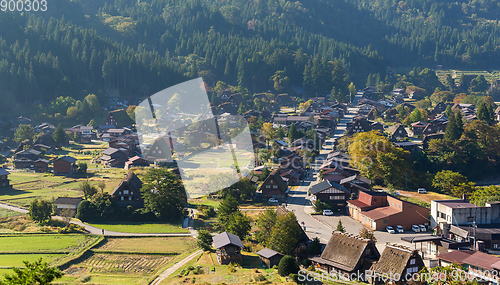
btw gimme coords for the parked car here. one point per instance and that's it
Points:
(422, 228)
(327, 212)
(273, 200)
(400, 229)
(421, 191)
(390, 230)
(415, 228)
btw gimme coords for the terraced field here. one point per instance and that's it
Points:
(124, 263)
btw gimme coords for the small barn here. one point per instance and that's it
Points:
(41, 165)
(228, 248)
(270, 257)
(70, 203)
(4, 180)
(65, 165)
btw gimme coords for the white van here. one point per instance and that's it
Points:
(421, 191)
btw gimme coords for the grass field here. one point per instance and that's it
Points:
(43, 243)
(456, 74)
(4, 213)
(16, 260)
(245, 274)
(145, 228)
(149, 244)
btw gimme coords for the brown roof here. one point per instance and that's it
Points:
(481, 260)
(345, 249)
(393, 260)
(456, 256)
(457, 204)
(380, 213)
(358, 203)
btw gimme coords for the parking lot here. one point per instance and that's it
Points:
(352, 226)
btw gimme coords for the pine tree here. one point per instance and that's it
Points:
(340, 227)
(451, 132)
(460, 124)
(59, 136)
(448, 111)
(292, 133)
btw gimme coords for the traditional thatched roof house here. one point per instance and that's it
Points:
(228, 248)
(118, 118)
(398, 131)
(359, 125)
(346, 253)
(128, 192)
(270, 257)
(273, 187)
(396, 263)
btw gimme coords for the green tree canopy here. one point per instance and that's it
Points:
(285, 234)
(34, 273)
(40, 211)
(163, 193)
(24, 132)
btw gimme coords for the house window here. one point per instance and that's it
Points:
(268, 186)
(122, 198)
(271, 181)
(386, 221)
(275, 186)
(125, 191)
(130, 198)
(412, 261)
(495, 246)
(470, 220)
(412, 270)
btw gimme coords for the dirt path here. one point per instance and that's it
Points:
(175, 267)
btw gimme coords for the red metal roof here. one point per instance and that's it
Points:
(380, 213)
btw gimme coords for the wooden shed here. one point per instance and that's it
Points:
(270, 257)
(228, 248)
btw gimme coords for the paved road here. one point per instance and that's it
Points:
(174, 268)
(98, 231)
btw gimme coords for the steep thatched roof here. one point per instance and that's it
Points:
(132, 181)
(393, 260)
(346, 249)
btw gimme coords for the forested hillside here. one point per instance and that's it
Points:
(139, 47)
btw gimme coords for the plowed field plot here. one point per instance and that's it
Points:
(122, 263)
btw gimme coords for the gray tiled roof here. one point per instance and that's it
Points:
(226, 238)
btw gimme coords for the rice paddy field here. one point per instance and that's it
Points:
(128, 260)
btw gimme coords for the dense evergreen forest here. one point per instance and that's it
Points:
(140, 47)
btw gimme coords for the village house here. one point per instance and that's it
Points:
(65, 165)
(228, 248)
(355, 183)
(418, 128)
(128, 192)
(135, 161)
(41, 165)
(396, 265)
(390, 115)
(161, 150)
(428, 138)
(273, 187)
(113, 157)
(347, 253)
(269, 257)
(358, 125)
(118, 119)
(284, 100)
(377, 210)
(333, 194)
(45, 128)
(290, 177)
(397, 132)
(70, 203)
(4, 178)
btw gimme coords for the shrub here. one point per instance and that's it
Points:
(287, 266)
(198, 270)
(311, 268)
(260, 277)
(306, 263)
(294, 277)
(190, 267)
